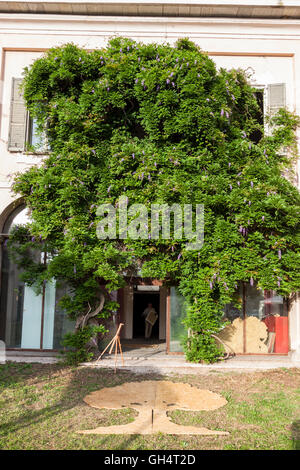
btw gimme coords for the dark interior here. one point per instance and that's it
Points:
(256, 135)
(140, 302)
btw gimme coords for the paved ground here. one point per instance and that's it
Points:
(153, 359)
(163, 363)
(143, 357)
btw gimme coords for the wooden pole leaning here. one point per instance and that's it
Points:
(115, 343)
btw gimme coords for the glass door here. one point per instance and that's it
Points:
(176, 313)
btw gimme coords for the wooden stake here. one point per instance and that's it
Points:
(115, 369)
(121, 352)
(105, 349)
(114, 343)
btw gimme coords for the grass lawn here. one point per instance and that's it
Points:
(41, 407)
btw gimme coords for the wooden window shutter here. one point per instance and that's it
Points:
(276, 97)
(18, 115)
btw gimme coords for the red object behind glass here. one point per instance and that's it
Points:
(280, 326)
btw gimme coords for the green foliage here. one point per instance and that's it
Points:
(200, 347)
(161, 124)
(76, 344)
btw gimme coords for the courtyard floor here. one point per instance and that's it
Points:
(42, 407)
(152, 358)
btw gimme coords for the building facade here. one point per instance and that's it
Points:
(264, 40)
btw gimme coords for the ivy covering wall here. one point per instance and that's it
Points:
(158, 124)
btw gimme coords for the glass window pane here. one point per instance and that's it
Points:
(20, 309)
(232, 333)
(62, 324)
(275, 304)
(178, 309)
(32, 317)
(257, 335)
(276, 321)
(56, 322)
(255, 302)
(234, 309)
(35, 139)
(267, 322)
(49, 306)
(12, 297)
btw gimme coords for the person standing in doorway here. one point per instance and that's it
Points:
(150, 317)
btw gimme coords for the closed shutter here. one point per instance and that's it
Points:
(276, 97)
(18, 114)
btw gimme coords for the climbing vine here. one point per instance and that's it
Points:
(158, 124)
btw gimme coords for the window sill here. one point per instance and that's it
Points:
(30, 157)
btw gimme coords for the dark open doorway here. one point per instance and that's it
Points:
(140, 302)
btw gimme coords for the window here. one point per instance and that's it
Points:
(35, 141)
(29, 320)
(257, 323)
(257, 134)
(23, 135)
(270, 99)
(260, 325)
(177, 312)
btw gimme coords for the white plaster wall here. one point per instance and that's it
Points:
(270, 47)
(13, 63)
(294, 328)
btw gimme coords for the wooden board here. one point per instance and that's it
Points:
(256, 336)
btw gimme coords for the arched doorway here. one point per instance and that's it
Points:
(28, 320)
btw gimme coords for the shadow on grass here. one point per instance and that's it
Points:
(42, 406)
(296, 434)
(81, 381)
